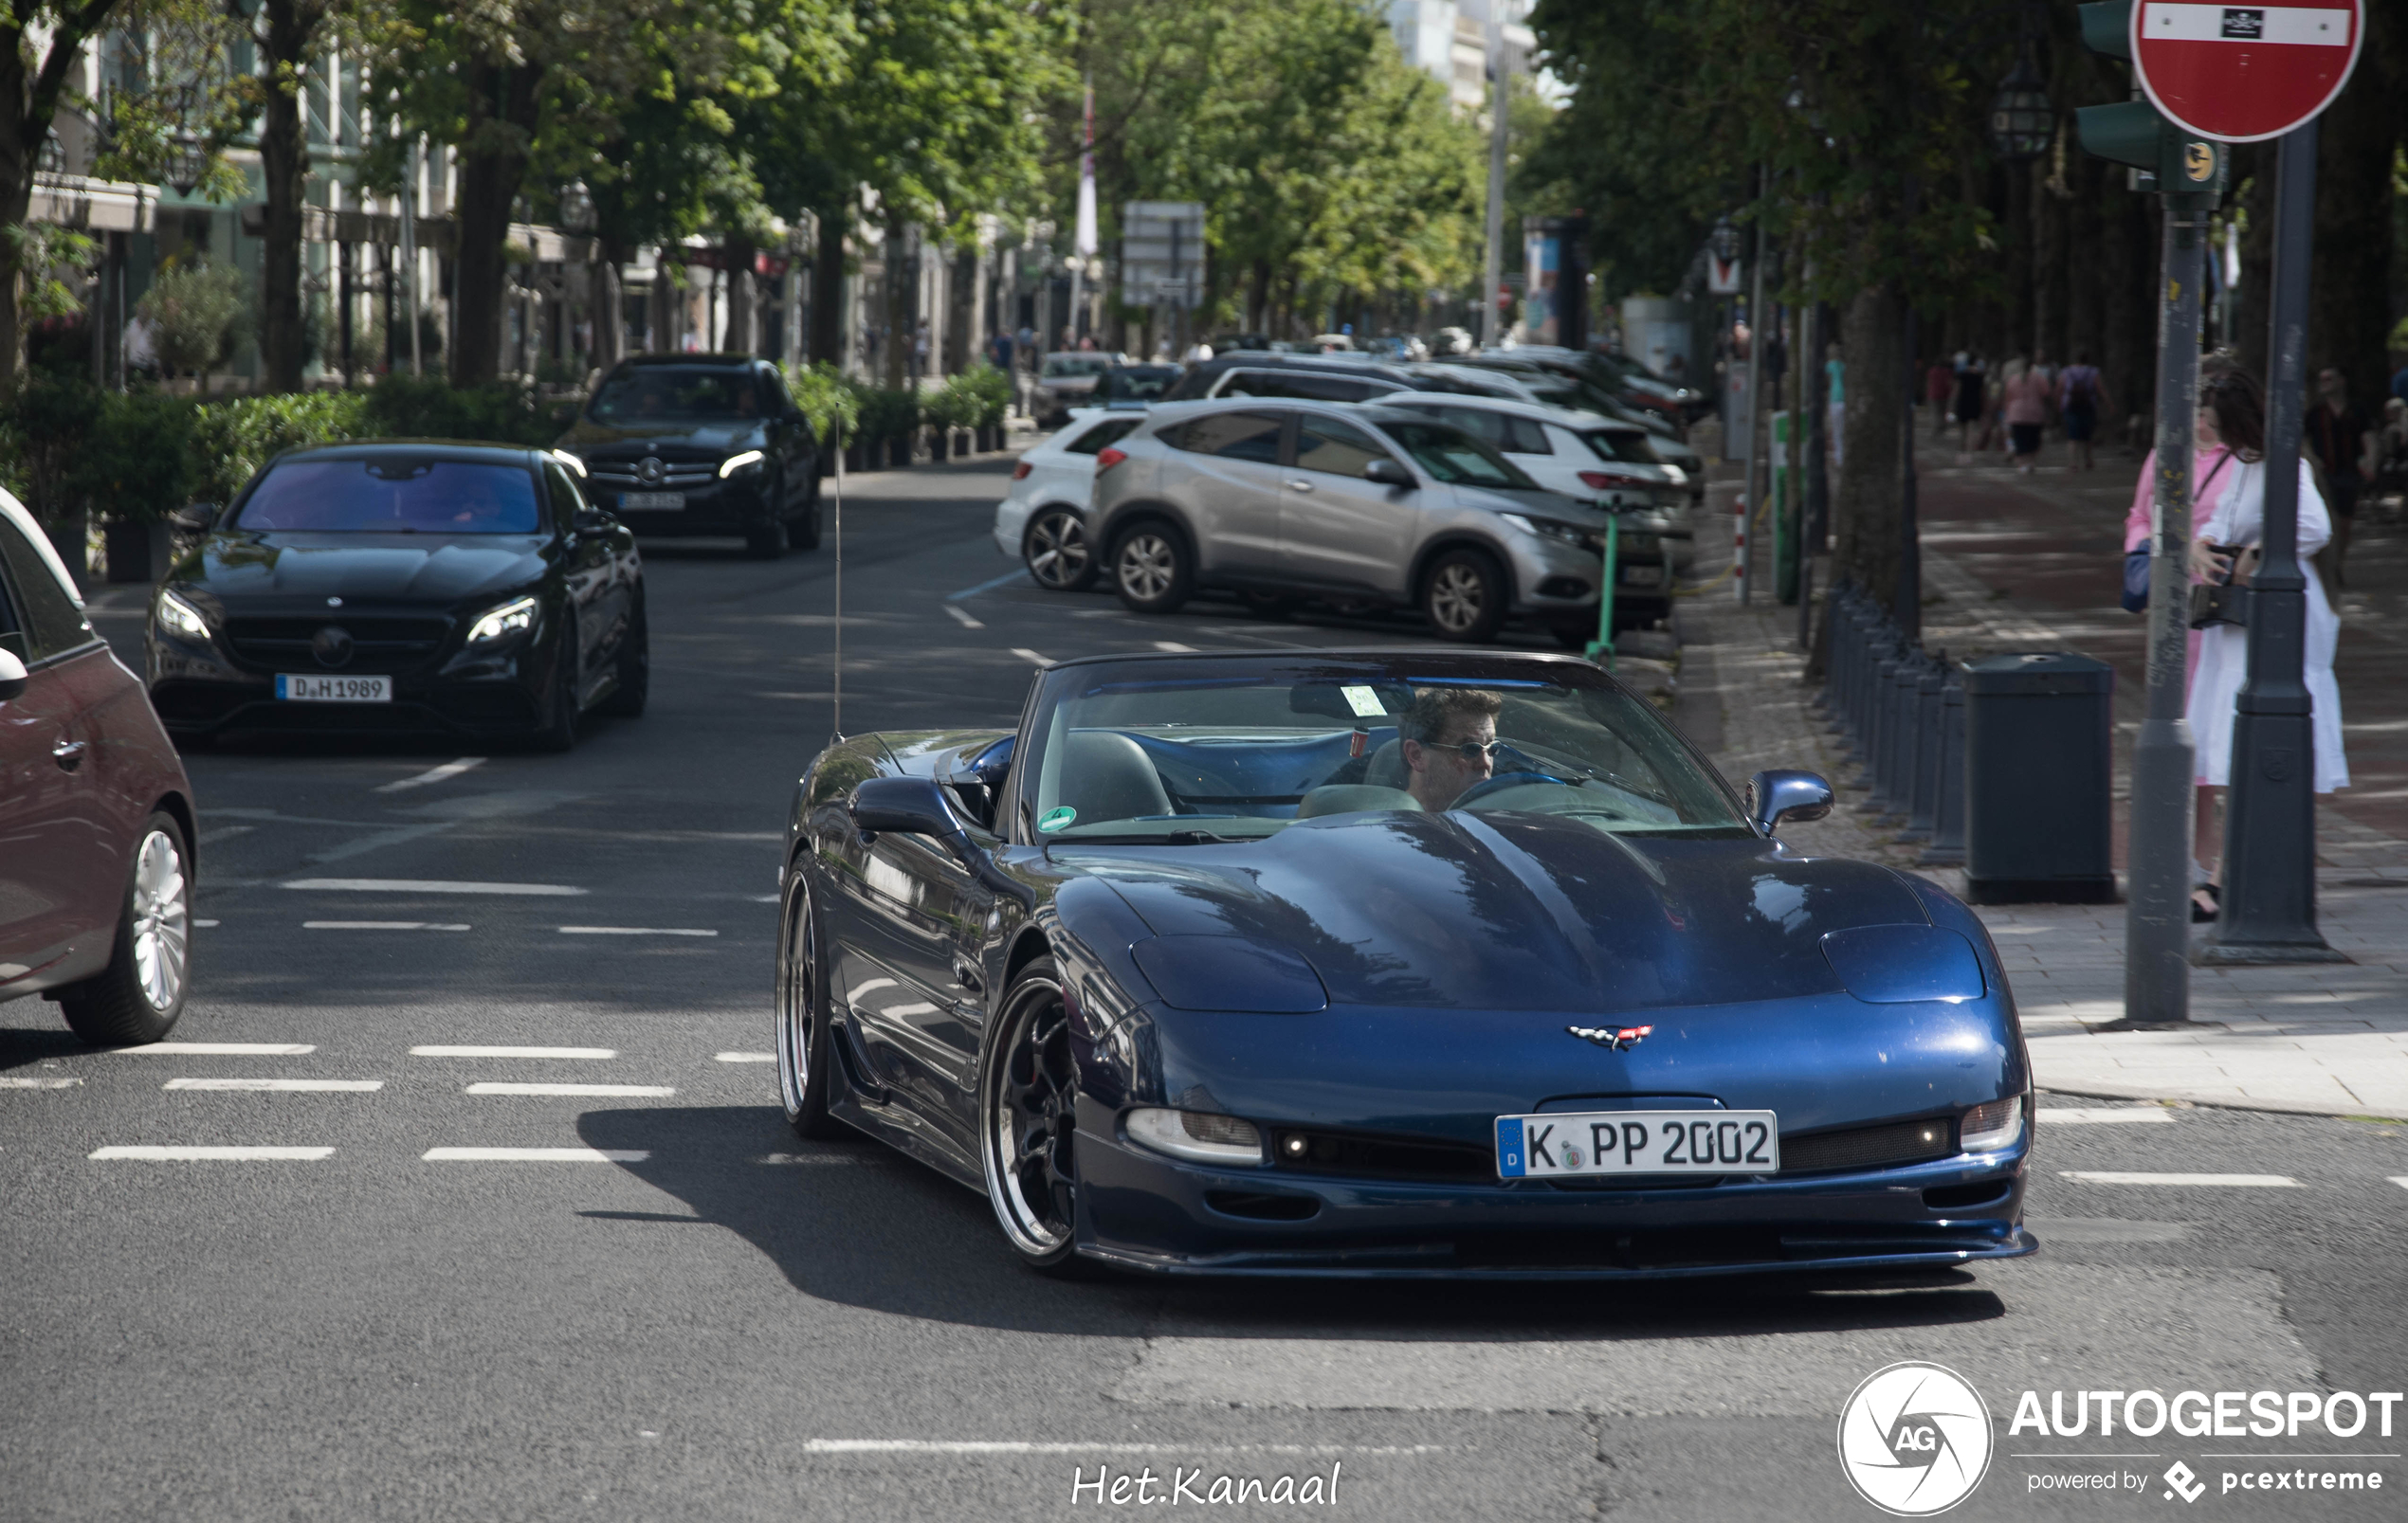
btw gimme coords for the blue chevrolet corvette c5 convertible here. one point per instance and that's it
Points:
(1389, 962)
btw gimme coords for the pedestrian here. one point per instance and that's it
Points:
(2338, 435)
(2024, 405)
(2232, 414)
(2078, 405)
(2391, 455)
(999, 351)
(1970, 382)
(1836, 372)
(919, 350)
(1938, 384)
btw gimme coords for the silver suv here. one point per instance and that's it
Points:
(1352, 504)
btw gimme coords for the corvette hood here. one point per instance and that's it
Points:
(1517, 913)
(238, 568)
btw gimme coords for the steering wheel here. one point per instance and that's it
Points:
(1505, 780)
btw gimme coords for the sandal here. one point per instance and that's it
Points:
(2204, 914)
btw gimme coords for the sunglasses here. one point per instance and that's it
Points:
(1472, 750)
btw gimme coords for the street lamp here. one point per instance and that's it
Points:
(187, 161)
(2022, 122)
(1724, 239)
(577, 207)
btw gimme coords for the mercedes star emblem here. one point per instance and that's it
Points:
(332, 647)
(649, 469)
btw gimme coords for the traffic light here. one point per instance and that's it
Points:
(2131, 132)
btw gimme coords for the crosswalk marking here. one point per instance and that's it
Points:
(747, 1057)
(192, 1154)
(218, 1049)
(535, 1155)
(377, 925)
(513, 1052)
(433, 774)
(2087, 1177)
(429, 885)
(290, 1086)
(630, 931)
(2102, 1114)
(570, 1089)
(2401, 1180)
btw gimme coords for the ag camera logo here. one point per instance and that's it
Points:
(1914, 1438)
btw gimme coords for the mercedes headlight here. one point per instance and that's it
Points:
(745, 461)
(513, 617)
(181, 618)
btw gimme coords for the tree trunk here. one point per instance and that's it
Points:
(610, 306)
(493, 164)
(896, 318)
(2349, 300)
(741, 338)
(33, 76)
(284, 156)
(1866, 505)
(828, 287)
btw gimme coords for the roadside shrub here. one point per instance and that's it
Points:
(956, 405)
(230, 441)
(991, 392)
(888, 413)
(136, 463)
(426, 407)
(198, 315)
(827, 400)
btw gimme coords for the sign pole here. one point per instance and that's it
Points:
(2268, 909)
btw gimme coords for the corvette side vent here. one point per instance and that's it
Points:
(1867, 1146)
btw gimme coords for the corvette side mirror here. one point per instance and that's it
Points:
(1778, 797)
(13, 676)
(908, 805)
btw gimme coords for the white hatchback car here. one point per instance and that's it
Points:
(1583, 455)
(1042, 518)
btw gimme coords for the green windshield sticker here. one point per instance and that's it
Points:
(1056, 818)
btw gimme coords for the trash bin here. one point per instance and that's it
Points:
(2039, 732)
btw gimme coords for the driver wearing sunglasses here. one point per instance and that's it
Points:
(1450, 742)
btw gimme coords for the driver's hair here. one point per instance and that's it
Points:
(1438, 710)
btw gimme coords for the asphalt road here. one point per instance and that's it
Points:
(365, 1331)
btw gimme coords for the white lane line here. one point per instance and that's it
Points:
(2401, 1180)
(1030, 655)
(204, 925)
(630, 931)
(747, 1057)
(491, 1088)
(181, 1156)
(283, 1086)
(11, 1082)
(764, 899)
(814, 1158)
(535, 1155)
(1174, 647)
(377, 925)
(224, 832)
(429, 885)
(433, 774)
(218, 1049)
(2104, 1115)
(1021, 1447)
(513, 1052)
(962, 615)
(2244, 1181)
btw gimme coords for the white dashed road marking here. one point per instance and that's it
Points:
(569, 1089)
(1174, 647)
(535, 1155)
(204, 925)
(224, 832)
(2102, 1114)
(429, 885)
(283, 1086)
(747, 1057)
(962, 615)
(188, 1154)
(1026, 1446)
(630, 931)
(377, 925)
(435, 775)
(2245, 1181)
(814, 1158)
(1030, 655)
(218, 1049)
(2401, 1180)
(11, 1081)
(513, 1052)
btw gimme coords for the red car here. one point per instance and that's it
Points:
(96, 814)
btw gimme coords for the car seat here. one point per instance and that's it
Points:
(1105, 775)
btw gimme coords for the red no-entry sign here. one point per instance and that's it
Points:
(2242, 73)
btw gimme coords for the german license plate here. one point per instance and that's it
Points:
(652, 502)
(313, 688)
(1642, 576)
(1589, 1143)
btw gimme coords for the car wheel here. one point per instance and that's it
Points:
(803, 533)
(802, 1033)
(1152, 569)
(1056, 552)
(560, 731)
(765, 541)
(138, 997)
(1463, 595)
(636, 669)
(1027, 1123)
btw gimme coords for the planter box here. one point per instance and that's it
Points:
(962, 443)
(139, 552)
(856, 457)
(898, 451)
(937, 442)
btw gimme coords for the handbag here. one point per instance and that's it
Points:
(2225, 602)
(2136, 562)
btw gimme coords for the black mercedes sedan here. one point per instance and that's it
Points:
(701, 444)
(404, 585)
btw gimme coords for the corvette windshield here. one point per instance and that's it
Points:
(1179, 754)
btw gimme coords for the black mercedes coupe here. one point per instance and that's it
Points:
(404, 585)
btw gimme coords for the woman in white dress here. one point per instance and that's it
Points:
(2232, 412)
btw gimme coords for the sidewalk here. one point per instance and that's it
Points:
(2328, 1039)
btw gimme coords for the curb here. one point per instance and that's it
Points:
(2218, 1102)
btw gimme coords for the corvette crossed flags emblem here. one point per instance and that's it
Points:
(1621, 1038)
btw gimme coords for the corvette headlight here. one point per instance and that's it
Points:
(1989, 1128)
(744, 461)
(513, 617)
(182, 617)
(1198, 1136)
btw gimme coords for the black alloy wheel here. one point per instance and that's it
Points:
(1463, 595)
(1028, 1092)
(560, 731)
(1056, 552)
(634, 685)
(138, 997)
(1152, 568)
(802, 1034)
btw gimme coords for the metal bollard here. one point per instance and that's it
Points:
(1921, 813)
(1947, 848)
(1868, 743)
(1897, 789)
